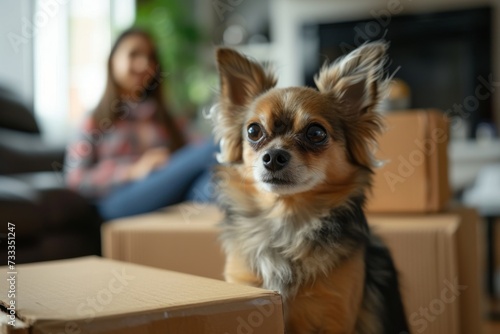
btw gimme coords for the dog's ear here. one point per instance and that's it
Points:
(357, 83)
(357, 78)
(241, 80)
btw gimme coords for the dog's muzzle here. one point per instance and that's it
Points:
(275, 159)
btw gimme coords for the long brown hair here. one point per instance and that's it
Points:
(112, 107)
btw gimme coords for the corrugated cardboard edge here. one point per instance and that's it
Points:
(424, 127)
(450, 248)
(175, 319)
(444, 187)
(107, 243)
(437, 167)
(112, 245)
(470, 237)
(432, 162)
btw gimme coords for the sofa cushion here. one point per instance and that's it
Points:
(40, 203)
(15, 115)
(20, 205)
(63, 208)
(25, 153)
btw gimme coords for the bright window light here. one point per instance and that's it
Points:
(70, 53)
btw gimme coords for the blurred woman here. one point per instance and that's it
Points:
(130, 157)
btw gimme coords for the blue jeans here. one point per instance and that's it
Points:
(186, 177)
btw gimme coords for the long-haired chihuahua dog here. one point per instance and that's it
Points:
(295, 166)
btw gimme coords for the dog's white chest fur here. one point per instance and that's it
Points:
(280, 250)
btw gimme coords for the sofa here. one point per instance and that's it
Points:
(50, 221)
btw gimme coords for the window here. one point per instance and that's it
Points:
(70, 53)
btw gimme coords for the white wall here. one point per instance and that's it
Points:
(16, 48)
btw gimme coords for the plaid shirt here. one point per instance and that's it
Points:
(99, 158)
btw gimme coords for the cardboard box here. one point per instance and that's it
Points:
(438, 260)
(414, 177)
(430, 251)
(180, 238)
(94, 295)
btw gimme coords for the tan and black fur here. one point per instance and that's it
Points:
(295, 166)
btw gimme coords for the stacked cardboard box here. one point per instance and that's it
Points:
(414, 174)
(439, 266)
(436, 255)
(435, 248)
(181, 238)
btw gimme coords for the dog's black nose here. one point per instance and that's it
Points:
(276, 159)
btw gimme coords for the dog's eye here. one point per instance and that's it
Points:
(254, 132)
(316, 134)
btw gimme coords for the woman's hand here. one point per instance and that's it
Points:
(148, 162)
